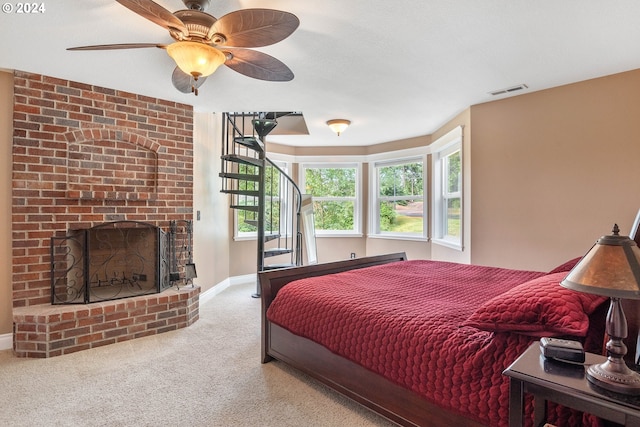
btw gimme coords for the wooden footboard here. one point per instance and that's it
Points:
(272, 281)
(350, 379)
(373, 391)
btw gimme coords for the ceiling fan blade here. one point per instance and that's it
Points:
(254, 27)
(258, 65)
(184, 82)
(119, 46)
(156, 13)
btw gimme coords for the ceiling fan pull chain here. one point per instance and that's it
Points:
(194, 89)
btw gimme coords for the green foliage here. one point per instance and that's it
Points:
(399, 184)
(453, 217)
(394, 220)
(243, 227)
(333, 182)
(401, 180)
(329, 215)
(408, 224)
(387, 216)
(453, 172)
(272, 182)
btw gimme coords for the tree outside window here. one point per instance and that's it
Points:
(452, 195)
(334, 191)
(401, 198)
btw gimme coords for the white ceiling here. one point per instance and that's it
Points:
(396, 69)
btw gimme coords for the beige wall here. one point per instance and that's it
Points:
(211, 232)
(413, 249)
(6, 143)
(243, 254)
(553, 170)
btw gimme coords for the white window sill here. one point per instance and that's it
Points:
(449, 244)
(337, 234)
(398, 237)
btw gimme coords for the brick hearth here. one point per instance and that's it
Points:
(48, 330)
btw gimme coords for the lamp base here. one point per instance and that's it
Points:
(614, 375)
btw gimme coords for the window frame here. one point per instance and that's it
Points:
(442, 196)
(396, 159)
(357, 199)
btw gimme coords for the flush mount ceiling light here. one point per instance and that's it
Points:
(338, 125)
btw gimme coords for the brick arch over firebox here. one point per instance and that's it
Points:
(109, 164)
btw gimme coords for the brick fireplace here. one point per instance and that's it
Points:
(85, 155)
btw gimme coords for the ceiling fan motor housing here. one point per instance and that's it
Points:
(198, 23)
(196, 4)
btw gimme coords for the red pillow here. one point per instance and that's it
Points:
(539, 307)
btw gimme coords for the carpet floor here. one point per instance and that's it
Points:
(208, 374)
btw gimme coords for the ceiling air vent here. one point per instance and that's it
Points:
(509, 90)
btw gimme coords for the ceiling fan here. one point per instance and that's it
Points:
(203, 42)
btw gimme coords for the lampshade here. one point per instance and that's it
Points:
(196, 59)
(610, 268)
(338, 125)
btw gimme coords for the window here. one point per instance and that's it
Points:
(335, 197)
(246, 220)
(398, 205)
(451, 195)
(447, 166)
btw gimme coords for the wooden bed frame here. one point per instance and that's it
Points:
(350, 379)
(369, 389)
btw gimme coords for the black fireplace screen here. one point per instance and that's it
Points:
(119, 259)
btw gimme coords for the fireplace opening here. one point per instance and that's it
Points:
(119, 259)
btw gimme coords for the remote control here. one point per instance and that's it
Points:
(556, 348)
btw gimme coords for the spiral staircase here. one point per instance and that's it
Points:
(267, 201)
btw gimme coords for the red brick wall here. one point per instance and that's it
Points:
(83, 155)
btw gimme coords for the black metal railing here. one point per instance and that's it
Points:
(266, 198)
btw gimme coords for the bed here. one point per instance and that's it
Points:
(427, 357)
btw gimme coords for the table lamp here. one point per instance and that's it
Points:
(611, 268)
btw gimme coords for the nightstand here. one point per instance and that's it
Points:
(565, 384)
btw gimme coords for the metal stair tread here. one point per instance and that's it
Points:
(253, 193)
(243, 159)
(277, 251)
(249, 142)
(239, 176)
(246, 207)
(270, 237)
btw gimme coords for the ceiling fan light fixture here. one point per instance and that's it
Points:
(338, 125)
(196, 59)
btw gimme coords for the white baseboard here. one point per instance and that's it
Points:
(231, 281)
(6, 341)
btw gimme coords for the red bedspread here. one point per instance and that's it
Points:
(404, 321)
